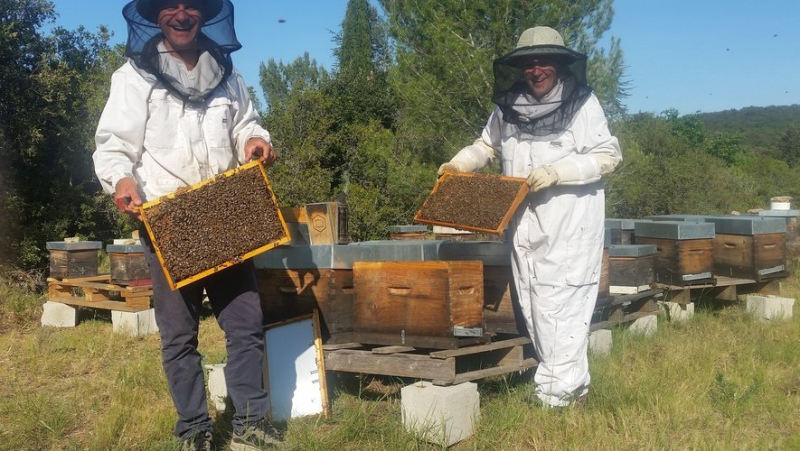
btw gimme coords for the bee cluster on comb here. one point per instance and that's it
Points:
(215, 224)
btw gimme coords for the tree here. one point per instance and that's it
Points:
(279, 80)
(46, 83)
(789, 146)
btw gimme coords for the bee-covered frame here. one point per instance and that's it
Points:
(143, 210)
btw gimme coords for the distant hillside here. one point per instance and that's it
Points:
(760, 127)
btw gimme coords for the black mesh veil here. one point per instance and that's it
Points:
(217, 37)
(511, 91)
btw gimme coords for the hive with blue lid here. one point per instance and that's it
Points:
(684, 250)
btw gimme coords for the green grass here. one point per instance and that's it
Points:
(719, 381)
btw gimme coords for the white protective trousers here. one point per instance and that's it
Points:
(557, 237)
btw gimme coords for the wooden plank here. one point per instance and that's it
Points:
(105, 305)
(419, 342)
(400, 365)
(337, 346)
(95, 295)
(98, 278)
(487, 372)
(480, 348)
(392, 349)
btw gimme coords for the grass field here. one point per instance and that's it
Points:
(722, 380)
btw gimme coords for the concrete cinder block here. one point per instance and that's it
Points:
(678, 312)
(56, 314)
(770, 308)
(135, 324)
(217, 388)
(600, 341)
(441, 415)
(646, 325)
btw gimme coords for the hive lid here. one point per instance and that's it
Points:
(77, 246)
(631, 250)
(747, 225)
(676, 217)
(620, 224)
(780, 213)
(491, 253)
(412, 228)
(675, 230)
(125, 249)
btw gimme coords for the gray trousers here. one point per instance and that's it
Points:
(233, 294)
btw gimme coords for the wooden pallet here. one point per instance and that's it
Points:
(98, 292)
(447, 367)
(625, 309)
(723, 289)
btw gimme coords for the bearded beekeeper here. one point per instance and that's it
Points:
(178, 113)
(548, 127)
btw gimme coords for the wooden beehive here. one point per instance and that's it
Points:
(203, 229)
(684, 250)
(500, 313)
(73, 260)
(477, 202)
(327, 223)
(403, 303)
(631, 268)
(749, 247)
(128, 265)
(754, 257)
(289, 293)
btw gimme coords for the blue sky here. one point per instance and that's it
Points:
(691, 55)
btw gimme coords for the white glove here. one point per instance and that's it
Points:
(447, 167)
(542, 178)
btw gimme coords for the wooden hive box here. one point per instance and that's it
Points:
(749, 247)
(73, 260)
(327, 223)
(684, 250)
(500, 312)
(200, 230)
(477, 202)
(631, 268)
(128, 265)
(621, 231)
(425, 303)
(291, 293)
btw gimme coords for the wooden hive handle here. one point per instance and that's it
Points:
(399, 291)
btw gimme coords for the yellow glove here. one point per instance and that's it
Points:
(541, 178)
(447, 167)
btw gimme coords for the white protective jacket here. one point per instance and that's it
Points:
(164, 144)
(557, 238)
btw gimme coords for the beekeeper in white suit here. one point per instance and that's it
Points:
(549, 128)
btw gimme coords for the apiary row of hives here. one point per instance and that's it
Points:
(683, 250)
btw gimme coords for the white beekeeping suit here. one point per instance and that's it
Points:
(561, 143)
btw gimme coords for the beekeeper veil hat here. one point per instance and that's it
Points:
(217, 36)
(511, 94)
